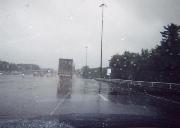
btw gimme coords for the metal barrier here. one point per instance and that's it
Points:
(154, 85)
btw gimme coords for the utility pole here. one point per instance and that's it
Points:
(102, 6)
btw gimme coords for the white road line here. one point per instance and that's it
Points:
(104, 98)
(172, 101)
(46, 100)
(57, 106)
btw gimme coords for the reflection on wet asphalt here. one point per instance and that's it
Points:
(37, 96)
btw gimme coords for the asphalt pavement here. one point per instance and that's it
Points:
(28, 96)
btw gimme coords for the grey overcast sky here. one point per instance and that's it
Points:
(41, 31)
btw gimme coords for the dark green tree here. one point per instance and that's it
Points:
(161, 63)
(167, 55)
(125, 66)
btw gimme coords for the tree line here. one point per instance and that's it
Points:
(87, 72)
(161, 63)
(9, 67)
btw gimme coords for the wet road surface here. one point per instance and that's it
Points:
(28, 96)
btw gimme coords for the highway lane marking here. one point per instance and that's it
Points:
(58, 105)
(47, 100)
(104, 98)
(176, 102)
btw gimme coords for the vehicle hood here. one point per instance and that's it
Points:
(88, 121)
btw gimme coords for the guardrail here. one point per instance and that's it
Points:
(143, 84)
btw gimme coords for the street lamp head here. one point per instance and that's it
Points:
(103, 5)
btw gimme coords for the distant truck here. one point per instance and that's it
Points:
(65, 69)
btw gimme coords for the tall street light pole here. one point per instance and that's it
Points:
(86, 55)
(102, 6)
(86, 68)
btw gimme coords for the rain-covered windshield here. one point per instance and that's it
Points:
(90, 57)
